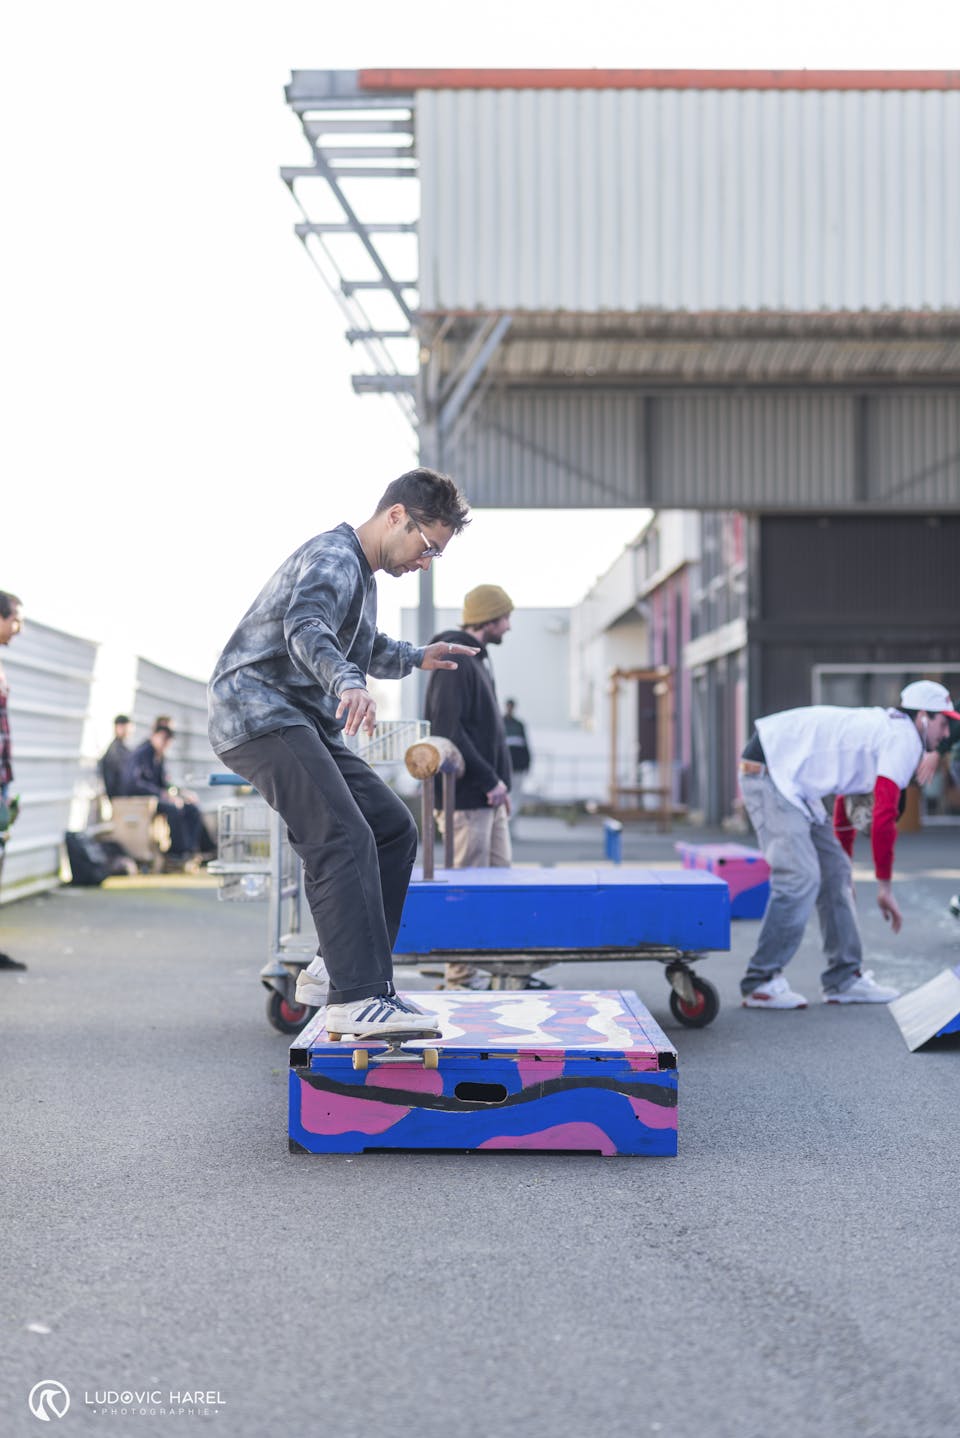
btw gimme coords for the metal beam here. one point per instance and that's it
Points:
(368, 152)
(354, 335)
(315, 128)
(341, 227)
(350, 287)
(467, 357)
(290, 173)
(451, 407)
(383, 383)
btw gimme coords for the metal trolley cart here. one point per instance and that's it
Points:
(512, 922)
(255, 861)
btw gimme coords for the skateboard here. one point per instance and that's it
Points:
(396, 1052)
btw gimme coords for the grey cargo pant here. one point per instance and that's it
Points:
(357, 840)
(807, 867)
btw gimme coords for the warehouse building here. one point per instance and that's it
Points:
(730, 293)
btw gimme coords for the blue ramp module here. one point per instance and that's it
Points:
(586, 1071)
(514, 921)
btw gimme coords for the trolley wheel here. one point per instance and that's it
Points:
(288, 1018)
(704, 1008)
(361, 1058)
(431, 1059)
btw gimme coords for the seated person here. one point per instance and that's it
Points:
(146, 773)
(113, 764)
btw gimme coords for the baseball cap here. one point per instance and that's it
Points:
(927, 694)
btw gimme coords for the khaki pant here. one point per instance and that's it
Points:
(481, 840)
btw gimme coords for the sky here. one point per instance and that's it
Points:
(178, 413)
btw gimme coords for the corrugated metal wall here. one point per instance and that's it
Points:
(914, 449)
(766, 450)
(696, 199)
(550, 450)
(799, 446)
(50, 675)
(869, 590)
(162, 691)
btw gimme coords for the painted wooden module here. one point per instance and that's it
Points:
(745, 871)
(515, 910)
(587, 1071)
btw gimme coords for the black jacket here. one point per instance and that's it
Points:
(461, 705)
(113, 768)
(146, 772)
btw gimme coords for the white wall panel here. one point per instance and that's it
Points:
(696, 199)
(50, 675)
(190, 759)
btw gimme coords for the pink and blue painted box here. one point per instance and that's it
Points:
(745, 871)
(563, 1070)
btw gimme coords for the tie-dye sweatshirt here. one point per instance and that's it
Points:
(310, 633)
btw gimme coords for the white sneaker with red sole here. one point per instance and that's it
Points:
(776, 993)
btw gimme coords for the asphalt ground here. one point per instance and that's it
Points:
(792, 1272)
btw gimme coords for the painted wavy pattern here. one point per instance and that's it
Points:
(328, 1117)
(564, 1070)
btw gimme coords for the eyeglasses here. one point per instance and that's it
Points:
(430, 550)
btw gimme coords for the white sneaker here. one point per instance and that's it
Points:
(404, 1002)
(863, 990)
(384, 1014)
(776, 993)
(312, 988)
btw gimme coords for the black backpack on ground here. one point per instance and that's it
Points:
(89, 861)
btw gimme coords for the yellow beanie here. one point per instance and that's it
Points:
(485, 603)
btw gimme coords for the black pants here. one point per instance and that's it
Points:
(357, 841)
(188, 833)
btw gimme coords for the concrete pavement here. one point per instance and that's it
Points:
(790, 1273)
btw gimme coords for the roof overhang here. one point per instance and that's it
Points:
(663, 347)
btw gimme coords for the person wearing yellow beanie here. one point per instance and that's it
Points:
(461, 705)
(484, 605)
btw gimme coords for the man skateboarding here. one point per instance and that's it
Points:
(290, 684)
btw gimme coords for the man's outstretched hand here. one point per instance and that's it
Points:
(360, 708)
(438, 656)
(889, 908)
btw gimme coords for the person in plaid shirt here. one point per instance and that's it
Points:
(11, 622)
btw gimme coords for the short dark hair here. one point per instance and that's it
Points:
(121, 719)
(429, 498)
(163, 729)
(8, 603)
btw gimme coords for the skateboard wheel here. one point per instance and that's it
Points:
(360, 1058)
(431, 1059)
(334, 1037)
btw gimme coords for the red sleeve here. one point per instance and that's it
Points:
(842, 827)
(883, 829)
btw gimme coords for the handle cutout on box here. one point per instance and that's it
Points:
(481, 1092)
